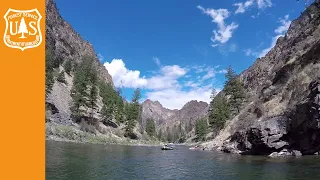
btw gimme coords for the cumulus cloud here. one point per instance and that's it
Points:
(169, 85)
(280, 31)
(122, 77)
(224, 32)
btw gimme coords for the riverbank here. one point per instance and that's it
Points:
(64, 133)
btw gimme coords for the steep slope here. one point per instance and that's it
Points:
(282, 110)
(66, 44)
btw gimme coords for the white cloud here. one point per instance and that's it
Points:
(280, 31)
(173, 71)
(176, 98)
(157, 61)
(273, 43)
(224, 32)
(169, 85)
(242, 7)
(100, 57)
(285, 23)
(264, 4)
(210, 74)
(122, 77)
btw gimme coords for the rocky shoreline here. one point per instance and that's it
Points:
(65, 133)
(278, 136)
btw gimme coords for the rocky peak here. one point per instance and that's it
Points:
(66, 43)
(163, 116)
(194, 104)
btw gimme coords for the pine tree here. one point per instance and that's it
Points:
(201, 129)
(234, 88)
(133, 114)
(93, 95)
(84, 92)
(229, 83)
(68, 67)
(213, 95)
(22, 28)
(219, 112)
(61, 78)
(150, 127)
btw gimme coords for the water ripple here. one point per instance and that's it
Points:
(70, 161)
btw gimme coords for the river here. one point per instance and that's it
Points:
(71, 161)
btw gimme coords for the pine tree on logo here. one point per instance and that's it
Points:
(22, 28)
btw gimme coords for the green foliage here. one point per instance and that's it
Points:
(61, 78)
(218, 112)
(230, 76)
(84, 92)
(151, 127)
(68, 67)
(49, 72)
(201, 129)
(109, 99)
(160, 135)
(132, 114)
(234, 88)
(57, 62)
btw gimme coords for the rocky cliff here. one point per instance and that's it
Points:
(282, 110)
(66, 44)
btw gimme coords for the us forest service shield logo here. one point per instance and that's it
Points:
(22, 29)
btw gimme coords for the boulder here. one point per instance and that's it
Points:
(262, 138)
(285, 153)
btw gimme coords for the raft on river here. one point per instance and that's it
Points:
(166, 147)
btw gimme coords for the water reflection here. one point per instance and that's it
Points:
(88, 162)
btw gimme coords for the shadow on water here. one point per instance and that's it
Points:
(88, 162)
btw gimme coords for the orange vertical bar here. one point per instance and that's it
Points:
(22, 87)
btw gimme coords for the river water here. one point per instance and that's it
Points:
(71, 161)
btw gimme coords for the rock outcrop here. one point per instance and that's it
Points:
(282, 111)
(66, 44)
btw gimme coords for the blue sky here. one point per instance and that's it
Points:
(177, 51)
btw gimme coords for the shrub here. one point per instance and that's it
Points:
(61, 77)
(84, 126)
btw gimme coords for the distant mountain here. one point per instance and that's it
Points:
(190, 111)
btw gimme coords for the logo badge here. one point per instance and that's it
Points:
(22, 29)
